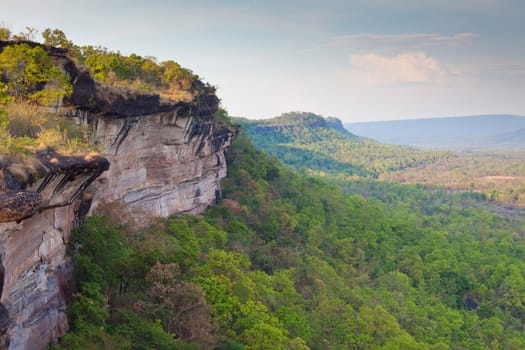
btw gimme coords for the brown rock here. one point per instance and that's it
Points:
(166, 158)
(15, 206)
(163, 163)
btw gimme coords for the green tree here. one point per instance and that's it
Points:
(28, 35)
(30, 74)
(179, 305)
(57, 38)
(4, 100)
(5, 33)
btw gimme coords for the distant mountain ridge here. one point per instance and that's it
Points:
(300, 121)
(469, 132)
(323, 146)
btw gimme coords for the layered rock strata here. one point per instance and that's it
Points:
(167, 157)
(37, 219)
(163, 163)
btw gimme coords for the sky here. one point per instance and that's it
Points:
(357, 60)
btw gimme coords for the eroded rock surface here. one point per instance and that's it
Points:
(167, 157)
(163, 163)
(36, 275)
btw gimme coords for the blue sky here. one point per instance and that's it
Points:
(353, 59)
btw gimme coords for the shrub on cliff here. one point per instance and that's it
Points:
(30, 74)
(28, 80)
(26, 128)
(5, 33)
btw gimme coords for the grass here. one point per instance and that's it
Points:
(22, 167)
(26, 128)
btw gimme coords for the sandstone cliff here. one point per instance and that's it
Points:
(37, 219)
(166, 157)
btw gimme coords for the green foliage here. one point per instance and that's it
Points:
(4, 100)
(56, 38)
(221, 118)
(5, 33)
(135, 71)
(30, 74)
(102, 251)
(140, 333)
(289, 262)
(28, 35)
(489, 176)
(323, 147)
(89, 309)
(29, 79)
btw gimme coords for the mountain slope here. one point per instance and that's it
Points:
(310, 142)
(164, 156)
(485, 131)
(322, 146)
(288, 262)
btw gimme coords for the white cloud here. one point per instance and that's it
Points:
(411, 67)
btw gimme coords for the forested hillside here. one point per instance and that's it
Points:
(288, 262)
(284, 260)
(323, 147)
(498, 176)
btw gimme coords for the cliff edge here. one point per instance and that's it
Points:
(163, 156)
(37, 215)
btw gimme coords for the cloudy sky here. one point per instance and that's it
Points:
(353, 59)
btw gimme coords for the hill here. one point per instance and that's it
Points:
(323, 147)
(285, 261)
(472, 132)
(281, 261)
(319, 146)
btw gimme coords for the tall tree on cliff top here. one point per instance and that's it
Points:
(30, 74)
(57, 38)
(5, 33)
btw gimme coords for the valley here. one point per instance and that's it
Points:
(137, 214)
(496, 175)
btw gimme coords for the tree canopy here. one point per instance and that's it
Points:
(286, 261)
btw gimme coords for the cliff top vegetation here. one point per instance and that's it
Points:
(35, 88)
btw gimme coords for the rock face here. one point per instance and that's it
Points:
(167, 157)
(163, 163)
(36, 275)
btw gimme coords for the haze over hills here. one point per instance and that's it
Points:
(470, 132)
(319, 146)
(322, 146)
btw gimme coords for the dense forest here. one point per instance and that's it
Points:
(497, 175)
(322, 147)
(286, 261)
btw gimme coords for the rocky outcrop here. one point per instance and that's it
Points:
(38, 212)
(37, 277)
(163, 163)
(167, 157)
